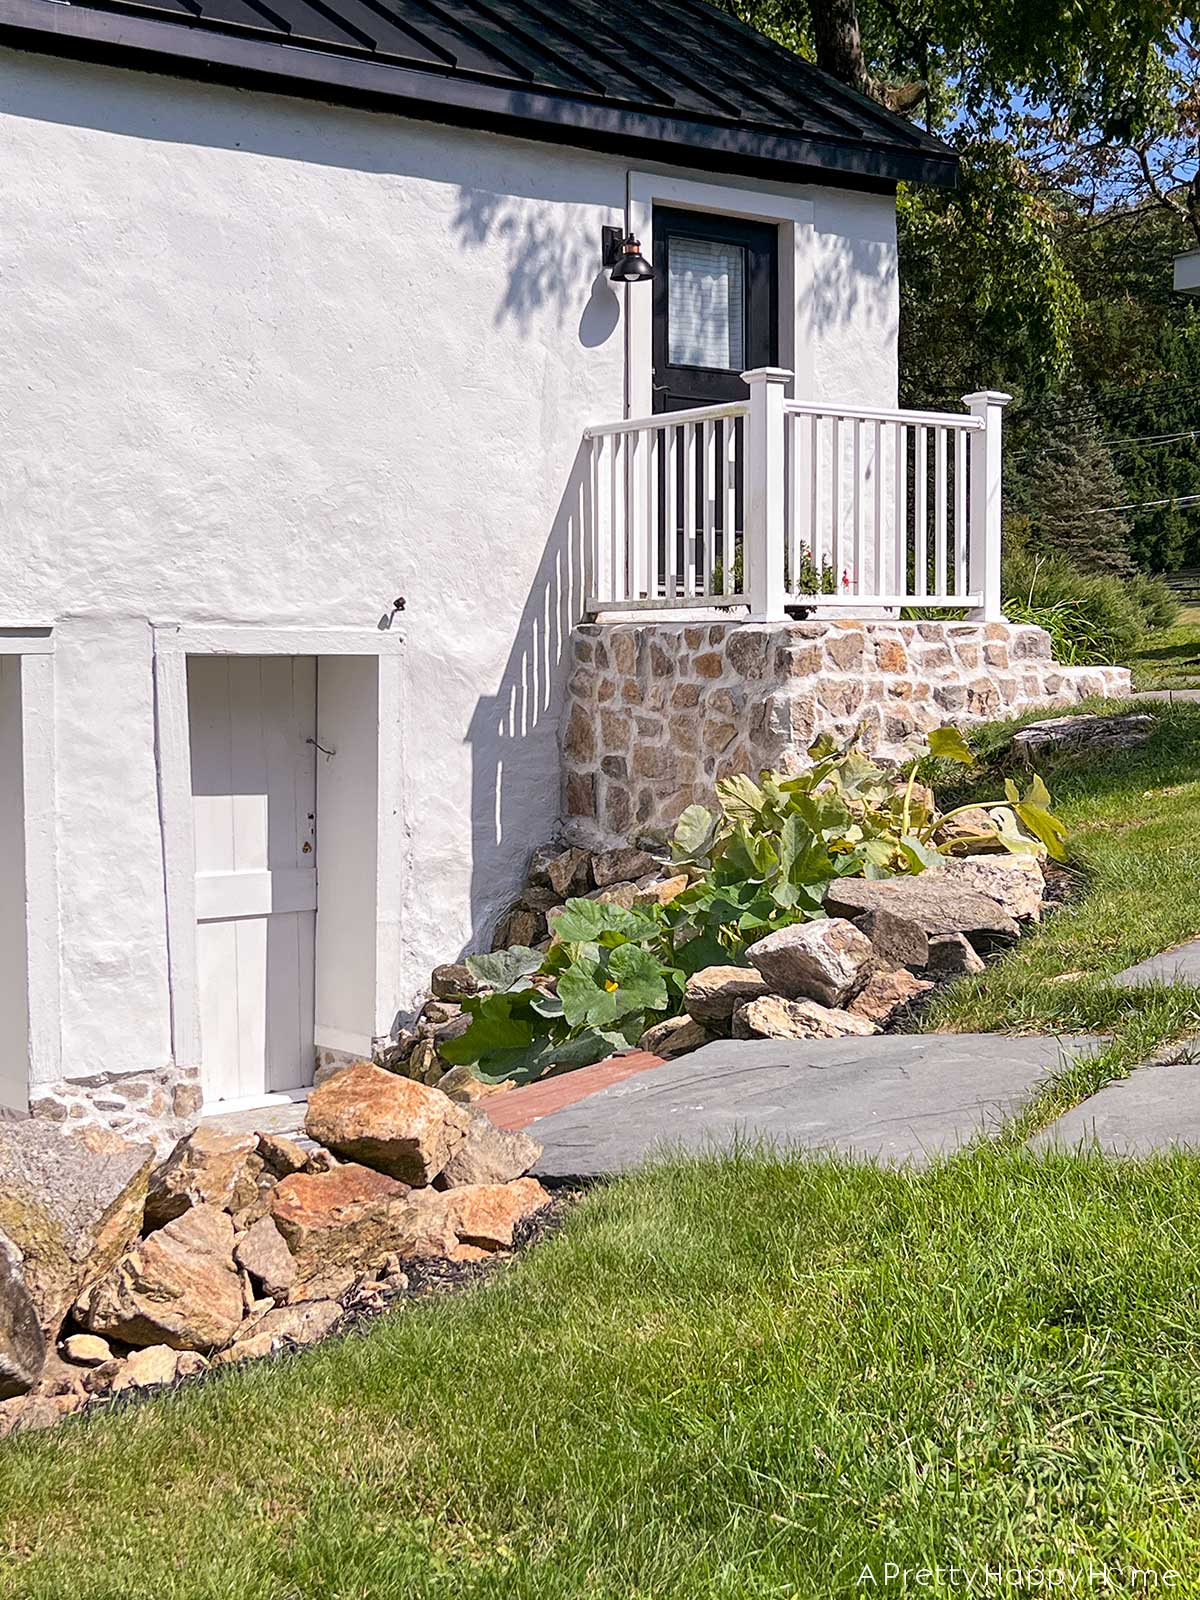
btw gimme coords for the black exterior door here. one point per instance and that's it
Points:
(716, 298)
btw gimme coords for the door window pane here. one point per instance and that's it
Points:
(705, 300)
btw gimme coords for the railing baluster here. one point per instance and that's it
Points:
(857, 552)
(708, 490)
(835, 485)
(730, 544)
(817, 520)
(689, 508)
(877, 584)
(960, 511)
(900, 512)
(939, 512)
(672, 441)
(921, 512)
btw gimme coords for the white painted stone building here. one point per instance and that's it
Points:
(304, 311)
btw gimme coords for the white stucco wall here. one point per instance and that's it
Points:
(268, 361)
(14, 1011)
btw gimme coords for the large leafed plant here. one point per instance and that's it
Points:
(765, 860)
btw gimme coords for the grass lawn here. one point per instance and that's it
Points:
(746, 1377)
(1170, 659)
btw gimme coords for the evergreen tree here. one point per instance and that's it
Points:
(1069, 488)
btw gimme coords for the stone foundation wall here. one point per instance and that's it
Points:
(155, 1107)
(658, 711)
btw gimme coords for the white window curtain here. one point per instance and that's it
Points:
(705, 300)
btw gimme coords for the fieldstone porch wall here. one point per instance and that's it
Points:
(658, 711)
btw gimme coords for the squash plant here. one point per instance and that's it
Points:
(765, 861)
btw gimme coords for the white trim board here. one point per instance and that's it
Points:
(259, 639)
(793, 214)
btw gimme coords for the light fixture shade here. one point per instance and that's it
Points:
(631, 265)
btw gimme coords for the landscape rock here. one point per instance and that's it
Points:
(86, 1349)
(300, 1324)
(452, 980)
(969, 832)
(823, 961)
(98, 1380)
(22, 1340)
(486, 1215)
(1079, 736)
(885, 992)
(37, 1411)
(897, 941)
(622, 865)
(1015, 882)
(661, 891)
(190, 1364)
(564, 871)
(950, 954)
(263, 1253)
(394, 1124)
(714, 993)
(488, 1155)
(930, 899)
(616, 894)
(338, 1224)
(773, 1017)
(281, 1155)
(461, 1085)
(70, 1204)
(148, 1368)
(674, 1037)
(207, 1168)
(519, 926)
(178, 1287)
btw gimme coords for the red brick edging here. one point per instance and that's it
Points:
(519, 1107)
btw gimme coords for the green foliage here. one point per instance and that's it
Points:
(766, 861)
(1068, 493)
(1092, 618)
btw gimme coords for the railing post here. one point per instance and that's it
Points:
(765, 488)
(985, 542)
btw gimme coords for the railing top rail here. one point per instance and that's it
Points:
(669, 419)
(833, 408)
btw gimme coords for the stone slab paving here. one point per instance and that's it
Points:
(1153, 1111)
(1180, 965)
(895, 1099)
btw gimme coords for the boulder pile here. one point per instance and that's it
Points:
(118, 1273)
(884, 944)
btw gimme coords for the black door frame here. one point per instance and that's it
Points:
(677, 387)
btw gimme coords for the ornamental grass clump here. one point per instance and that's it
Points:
(766, 860)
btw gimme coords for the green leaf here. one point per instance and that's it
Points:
(535, 1060)
(505, 969)
(588, 921)
(493, 1027)
(693, 833)
(741, 799)
(641, 984)
(949, 744)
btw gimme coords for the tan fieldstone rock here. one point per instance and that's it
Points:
(394, 1124)
(622, 866)
(209, 1167)
(674, 1037)
(33, 1412)
(98, 1380)
(884, 993)
(486, 1215)
(565, 872)
(178, 1287)
(969, 832)
(1015, 882)
(148, 1368)
(714, 993)
(452, 980)
(616, 894)
(264, 1254)
(70, 1204)
(461, 1085)
(337, 1224)
(896, 941)
(950, 954)
(488, 1155)
(773, 1017)
(86, 1349)
(22, 1339)
(286, 1326)
(939, 905)
(281, 1155)
(661, 891)
(823, 961)
(190, 1364)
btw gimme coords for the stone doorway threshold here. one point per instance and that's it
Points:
(275, 1116)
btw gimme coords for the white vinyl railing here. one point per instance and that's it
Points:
(771, 504)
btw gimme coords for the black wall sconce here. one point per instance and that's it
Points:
(623, 253)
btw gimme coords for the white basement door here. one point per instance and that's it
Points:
(254, 801)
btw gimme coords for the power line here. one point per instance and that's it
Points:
(1152, 438)
(1147, 505)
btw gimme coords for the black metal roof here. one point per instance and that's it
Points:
(676, 80)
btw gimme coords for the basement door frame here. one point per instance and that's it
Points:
(173, 644)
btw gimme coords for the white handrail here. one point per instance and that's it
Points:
(668, 419)
(832, 408)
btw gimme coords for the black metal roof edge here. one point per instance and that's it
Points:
(175, 48)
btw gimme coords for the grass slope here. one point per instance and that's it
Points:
(740, 1377)
(1170, 659)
